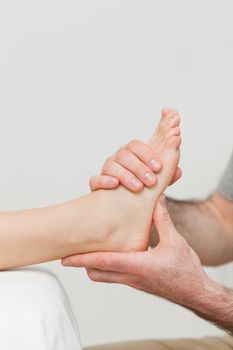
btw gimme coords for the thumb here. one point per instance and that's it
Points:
(106, 261)
(162, 219)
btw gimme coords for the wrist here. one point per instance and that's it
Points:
(214, 302)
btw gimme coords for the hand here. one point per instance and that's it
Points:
(172, 270)
(133, 166)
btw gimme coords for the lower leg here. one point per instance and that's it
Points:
(102, 221)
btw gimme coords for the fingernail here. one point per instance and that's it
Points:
(150, 177)
(135, 183)
(112, 181)
(155, 164)
(67, 263)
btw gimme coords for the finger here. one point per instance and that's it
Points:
(103, 182)
(106, 261)
(110, 277)
(130, 162)
(177, 176)
(162, 220)
(126, 178)
(145, 154)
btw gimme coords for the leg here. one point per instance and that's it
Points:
(101, 221)
(209, 343)
(35, 312)
(130, 228)
(129, 215)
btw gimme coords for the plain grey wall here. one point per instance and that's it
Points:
(80, 78)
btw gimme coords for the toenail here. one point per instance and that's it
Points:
(155, 164)
(172, 120)
(150, 176)
(135, 183)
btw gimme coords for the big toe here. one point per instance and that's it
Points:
(170, 119)
(168, 126)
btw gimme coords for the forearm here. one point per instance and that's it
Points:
(39, 235)
(214, 303)
(205, 228)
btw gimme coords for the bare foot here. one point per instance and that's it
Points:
(166, 142)
(129, 214)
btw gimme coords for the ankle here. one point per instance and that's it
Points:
(88, 224)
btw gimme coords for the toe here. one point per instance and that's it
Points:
(174, 141)
(166, 111)
(174, 120)
(173, 132)
(168, 121)
(170, 115)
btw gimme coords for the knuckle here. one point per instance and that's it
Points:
(126, 178)
(101, 263)
(120, 155)
(107, 165)
(108, 160)
(136, 172)
(120, 149)
(140, 169)
(132, 144)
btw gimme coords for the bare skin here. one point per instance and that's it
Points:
(156, 271)
(207, 224)
(101, 221)
(172, 270)
(130, 228)
(131, 165)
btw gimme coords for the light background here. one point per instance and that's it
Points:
(78, 79)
